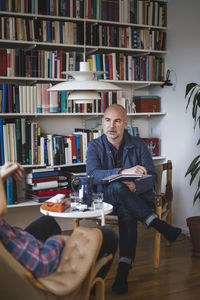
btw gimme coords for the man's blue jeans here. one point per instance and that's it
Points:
(129, 208)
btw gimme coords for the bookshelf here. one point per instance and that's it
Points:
(40, 30)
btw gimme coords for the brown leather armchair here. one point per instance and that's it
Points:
(73, 279)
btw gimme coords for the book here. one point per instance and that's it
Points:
(1, 143)
(44, 185)
(3, 65)
(41, 179)
(124, 177)
(42, 174)
(43, 170)
(51, 192)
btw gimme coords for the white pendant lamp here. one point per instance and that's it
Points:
(84, 87)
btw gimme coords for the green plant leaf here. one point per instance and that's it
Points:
(193, 174)
(197, 195)
(192, 166)
(191, 90)
(196, 99)
(189, 86)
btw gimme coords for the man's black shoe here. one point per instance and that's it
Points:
(169, 232)
(120, 285)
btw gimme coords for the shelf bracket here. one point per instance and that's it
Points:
(141, 86)
(141, 54)
(89, 52)
(31, 47)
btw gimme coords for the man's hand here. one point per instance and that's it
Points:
(134, 170)
(11, 169)
(131, 185)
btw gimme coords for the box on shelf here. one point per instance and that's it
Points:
(153, 145)
(147, 103)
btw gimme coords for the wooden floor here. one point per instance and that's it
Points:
(178, 277)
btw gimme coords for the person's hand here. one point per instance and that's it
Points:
(11, 169)
(135, 170)
(131, 185)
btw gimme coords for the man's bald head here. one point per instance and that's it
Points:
(114, 122)
(116, 107)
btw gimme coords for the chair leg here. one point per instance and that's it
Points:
(99, 288)
(157, 250)
(169, 219)
(157, 240)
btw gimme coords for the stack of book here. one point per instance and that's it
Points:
(42, 184)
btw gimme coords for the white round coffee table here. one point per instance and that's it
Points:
(78, 215)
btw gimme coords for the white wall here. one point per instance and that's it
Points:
(178, 137)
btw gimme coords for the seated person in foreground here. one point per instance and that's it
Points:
(117, 152)
(39, 246)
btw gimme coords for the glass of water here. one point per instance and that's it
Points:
(97, 200)
(74, 200)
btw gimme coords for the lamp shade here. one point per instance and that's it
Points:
(84, 80)
(84, 96)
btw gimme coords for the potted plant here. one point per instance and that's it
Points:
(192, 95)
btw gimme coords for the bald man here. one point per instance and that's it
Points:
(117, 152)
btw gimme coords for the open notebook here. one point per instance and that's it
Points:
(124, 177)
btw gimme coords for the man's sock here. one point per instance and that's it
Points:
(169, 232)
(120, 285)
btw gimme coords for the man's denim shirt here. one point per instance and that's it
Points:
(100, 163)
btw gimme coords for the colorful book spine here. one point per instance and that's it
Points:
(2, 161)
(42, 174)
(10, 190)
(78, 149)
(4, 97)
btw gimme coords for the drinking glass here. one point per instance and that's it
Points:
(74, 200)
(97, 200)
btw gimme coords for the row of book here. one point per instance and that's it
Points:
(128, 11)
(48, 64)
(142, 68)
(125, 37)
(149, 39)
(38, 63)
(71, 8)
(70, 33)
(36, 99)
(20, 29)
(23, 141)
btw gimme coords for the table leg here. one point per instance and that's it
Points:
(75, 223)
(102, 218)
